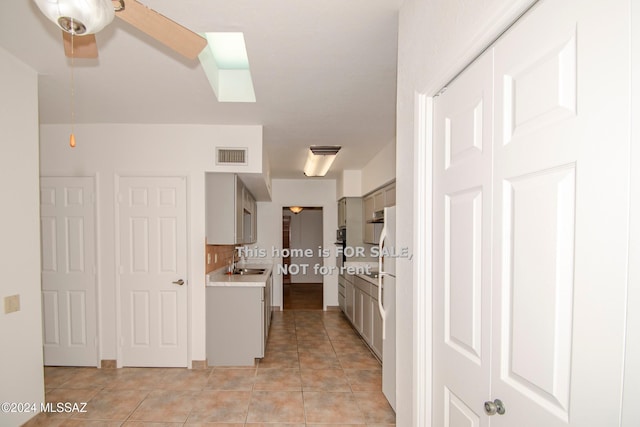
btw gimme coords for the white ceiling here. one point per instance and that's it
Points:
(324, 73)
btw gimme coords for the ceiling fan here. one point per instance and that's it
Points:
(81, 19)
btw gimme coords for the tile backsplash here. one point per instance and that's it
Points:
(224, 253)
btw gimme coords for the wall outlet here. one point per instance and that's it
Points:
(11, 304)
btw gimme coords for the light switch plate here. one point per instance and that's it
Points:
(11, 304)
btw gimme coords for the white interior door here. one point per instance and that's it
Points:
(560, 207)
(153, 268)
(68, 271)
(462, 246)
(557, 181)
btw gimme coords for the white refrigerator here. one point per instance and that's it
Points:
(387, 303)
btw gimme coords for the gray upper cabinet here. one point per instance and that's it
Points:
(350, 216)
(375, 202)
(230, 210)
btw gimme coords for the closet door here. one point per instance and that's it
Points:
(560, 202)
(530, 228)
(462, 247)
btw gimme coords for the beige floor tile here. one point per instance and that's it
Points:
(165, 406)
(44, 420)
(274, 425)
(73, 396)
(231, 379)
(114, 405)
(341, 334)
(220, 407)
(276, 407)
(364, 379)
(92, 423)
(349, 346)
(278, 380)
(137, 379)
(311, 346)
(358, 361)
(55, 376)
(283, 346)
(284, 360)
(311, 334)
(150, 424)
(319, 361)
(375, 407)
(332, 408)
(90, 378)
(188, 424)
(186, 379)
(324, 380)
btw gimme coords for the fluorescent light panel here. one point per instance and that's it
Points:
(320, 159)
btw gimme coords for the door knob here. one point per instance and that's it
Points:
(179, 282)
(495, 407)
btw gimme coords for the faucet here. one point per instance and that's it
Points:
(234, 261)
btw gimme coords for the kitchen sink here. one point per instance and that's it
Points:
(246, 271)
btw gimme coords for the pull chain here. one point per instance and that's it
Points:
(72, 137)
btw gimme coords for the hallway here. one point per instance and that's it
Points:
(316, 371)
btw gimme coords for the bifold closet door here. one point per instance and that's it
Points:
(530, 180)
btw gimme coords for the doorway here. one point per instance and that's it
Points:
(302, 233)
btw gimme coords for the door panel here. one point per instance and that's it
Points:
(538, 239)
(68, 271)
(457, 413)
(557, 197)
(560, 182)
(462, 230)
(153, 255)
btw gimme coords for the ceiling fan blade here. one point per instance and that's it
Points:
(83, 46)
(163, 29)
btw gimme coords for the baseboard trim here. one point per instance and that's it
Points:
(333, 308)
(199, 364)
(108, 364)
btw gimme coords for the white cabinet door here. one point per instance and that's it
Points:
(153, 261)
(67, 223)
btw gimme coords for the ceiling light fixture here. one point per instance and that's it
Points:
(296, 209)
(78, 17)
(319, 159)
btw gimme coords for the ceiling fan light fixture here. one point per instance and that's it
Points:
(319, 159)
(78, 17)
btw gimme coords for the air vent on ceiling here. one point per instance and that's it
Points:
(231, 156)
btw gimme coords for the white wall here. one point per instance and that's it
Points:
(349, 184)
(306, 234)
(110, 150)
(380, 170)
(436, 39)
(300, 192)
(21, 372)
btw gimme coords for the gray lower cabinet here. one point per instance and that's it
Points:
(349, 297)
(237, 324)
(365, 315)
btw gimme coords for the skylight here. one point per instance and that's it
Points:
(226, 65)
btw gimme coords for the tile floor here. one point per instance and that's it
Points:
(316, 371)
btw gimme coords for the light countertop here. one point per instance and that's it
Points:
(219, 277)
